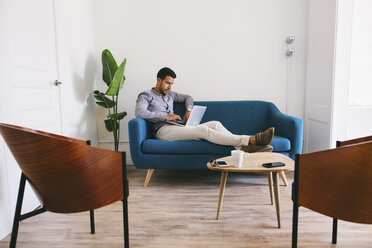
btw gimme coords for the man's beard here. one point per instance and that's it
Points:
(163, 92)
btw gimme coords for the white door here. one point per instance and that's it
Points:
(32, 65)
(29, 68)
(320, 75)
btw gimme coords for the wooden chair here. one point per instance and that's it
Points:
(335, 182)
(67, 174)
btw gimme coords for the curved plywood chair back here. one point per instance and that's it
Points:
(354, 141)
(338, 182)
(67, 174)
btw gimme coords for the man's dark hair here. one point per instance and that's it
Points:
(164, 72)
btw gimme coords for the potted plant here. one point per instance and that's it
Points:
(113, 76)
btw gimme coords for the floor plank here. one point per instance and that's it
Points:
(178, 209)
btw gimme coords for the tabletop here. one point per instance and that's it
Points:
(253, 163)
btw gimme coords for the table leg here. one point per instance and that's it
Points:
(276, 193)
(222, 190)
(270, 179)
(284, 179)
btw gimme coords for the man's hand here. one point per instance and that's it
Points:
(172, 117)
(186, 116)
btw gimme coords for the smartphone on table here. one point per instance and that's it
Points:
(221, 163)
(273, 164)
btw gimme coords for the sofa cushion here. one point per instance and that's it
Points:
(280, 144)
(184, 147)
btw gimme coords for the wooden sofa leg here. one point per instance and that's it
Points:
(148, 177)
(282, 175)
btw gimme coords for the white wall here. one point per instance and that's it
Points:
(76, 66)
(4, 196)
(220, 50)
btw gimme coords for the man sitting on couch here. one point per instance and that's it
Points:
(156, 106)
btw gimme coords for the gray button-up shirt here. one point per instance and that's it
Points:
(153, 106)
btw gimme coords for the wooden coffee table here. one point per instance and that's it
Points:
(253, 163)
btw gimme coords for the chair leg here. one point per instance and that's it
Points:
(284, 179)
(148, 177)
(126, 228)
(334, 231)
(17, 214)
(91, 212)
(92, 226)
(125, 202)
(295, 203)
(295, 225)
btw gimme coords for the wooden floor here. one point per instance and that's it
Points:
(178, 209)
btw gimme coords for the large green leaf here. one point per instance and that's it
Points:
(122, 115)
(118, 80)
(102, 104)
(103, 100)
(117, 116)
(109, 123)
(109, 66)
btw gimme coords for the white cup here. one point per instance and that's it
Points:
(237, 158)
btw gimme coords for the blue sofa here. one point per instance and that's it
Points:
(239, 117)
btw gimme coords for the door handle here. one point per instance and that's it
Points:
(56, 82)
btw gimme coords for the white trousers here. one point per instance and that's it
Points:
(213, 131)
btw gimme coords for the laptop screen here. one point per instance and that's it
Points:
(196, 115)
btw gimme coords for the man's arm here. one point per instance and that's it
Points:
(189, 102)
(143, 102)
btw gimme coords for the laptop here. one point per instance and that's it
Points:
(196, 116)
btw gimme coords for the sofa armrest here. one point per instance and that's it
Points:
(290, 127)
(138, 131)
